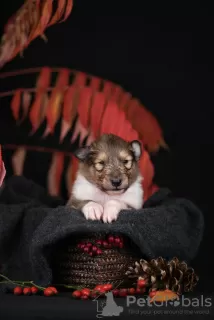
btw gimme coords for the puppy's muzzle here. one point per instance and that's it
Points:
(116, 182)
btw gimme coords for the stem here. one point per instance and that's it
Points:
(30, 90)
(24, 72)
(7, 279)
(35, 148)
(30, 283)
(20, 283)
(68, 286)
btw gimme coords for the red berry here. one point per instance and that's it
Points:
(17, 291)
(89, 245)
(107, 287)
(101, 292)
(48, 292)
(120, 245)
(152, 293)
(117, 241)
(131, 291)
(85, 292)
(123, 292)
(98, 287)
(27, 291)
(84, 297)
(110, 239)
(76, 294)
(93, 294)
(140, 290)
(94, 249)
(141, 283)
(53, 289)
(91, 254)
(34, 290)
(86, 249)
(116, 292)
(99, 251)
(105, 244)
(99, 242)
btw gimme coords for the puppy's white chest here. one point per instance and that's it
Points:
(84, 190)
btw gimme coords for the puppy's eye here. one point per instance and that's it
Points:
(127, 164)
(99, 165)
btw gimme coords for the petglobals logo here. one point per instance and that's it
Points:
(184, 302)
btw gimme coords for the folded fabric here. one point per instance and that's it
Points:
(32, 222)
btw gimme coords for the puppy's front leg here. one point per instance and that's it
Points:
(112, 209)
(90, 209)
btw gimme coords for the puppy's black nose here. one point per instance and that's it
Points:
(116, 182)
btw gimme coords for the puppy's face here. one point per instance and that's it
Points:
(110, 163)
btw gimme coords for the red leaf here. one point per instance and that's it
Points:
(55, 174)
(63, 78)
(18, 160)
(59, 12)
(96, 113)
(38, 110)
(79, 130)
(95, 83)
(110, 119)
(125, 100)
(56, 99)
(16, 103)
(69, 110)
(26, 100)
(68, 9)
(47, 7)
(29, 22)
(69, 106)
(80, 79)
(146, 124)
(147, 171)
(71, 173)
(54, 110)
(117, 93)
(107, 89)
(44, 78)
(84, 106)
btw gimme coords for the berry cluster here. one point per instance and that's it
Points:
(86, 293)
(95, 248)
(28, 291)
(101, 289)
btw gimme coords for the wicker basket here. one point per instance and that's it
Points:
(72, 265)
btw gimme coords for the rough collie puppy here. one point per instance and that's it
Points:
(108, 179)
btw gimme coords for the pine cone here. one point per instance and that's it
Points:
(160, 274)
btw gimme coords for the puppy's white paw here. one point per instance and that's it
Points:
(112, 209)
(92, 211)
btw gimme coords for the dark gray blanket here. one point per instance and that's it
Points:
(31, 222)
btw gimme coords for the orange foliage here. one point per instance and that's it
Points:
(88, 106)
(30, 22)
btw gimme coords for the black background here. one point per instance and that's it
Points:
(162, 53)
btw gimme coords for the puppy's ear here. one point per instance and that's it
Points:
(136, 148)
(82, 153)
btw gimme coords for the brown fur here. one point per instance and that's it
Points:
(110, 157)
